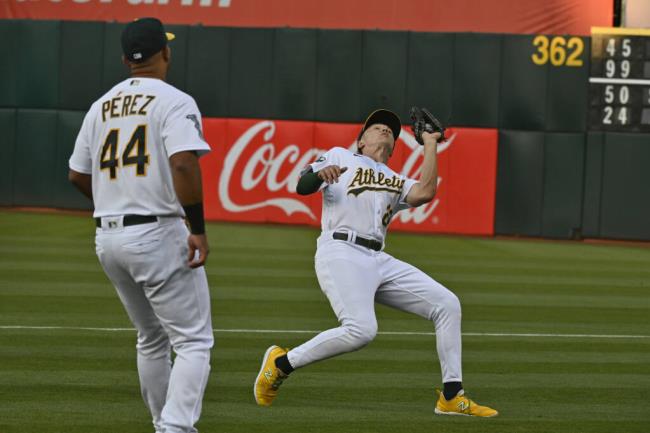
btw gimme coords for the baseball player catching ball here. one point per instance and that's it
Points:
(136, 157)
(360, 196)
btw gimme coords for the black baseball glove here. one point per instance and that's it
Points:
(423, 121)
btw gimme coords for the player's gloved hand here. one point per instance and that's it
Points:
(425, 123)
(197, 243)
(331, 173)
(433, 137)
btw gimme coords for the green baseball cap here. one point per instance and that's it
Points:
(143, 38)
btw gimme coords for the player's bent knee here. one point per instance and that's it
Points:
(451, 306)
(361, 334)
(153, 345)
(203, 343)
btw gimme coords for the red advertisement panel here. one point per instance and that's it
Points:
(252, 173)
(497, 16)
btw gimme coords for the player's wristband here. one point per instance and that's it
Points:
(309, 183)
(194, 215)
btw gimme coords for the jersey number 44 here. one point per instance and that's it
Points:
(135, 152)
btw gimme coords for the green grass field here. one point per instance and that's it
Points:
(68, 379)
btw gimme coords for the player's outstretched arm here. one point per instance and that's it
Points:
(310, 182)
(186, 174)
(425, 190)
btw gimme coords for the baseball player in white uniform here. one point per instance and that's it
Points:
(360, 196)
(136, 157)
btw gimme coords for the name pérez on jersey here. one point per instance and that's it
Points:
(368, 180)
(128, 105)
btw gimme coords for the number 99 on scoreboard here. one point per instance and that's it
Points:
(619, 82)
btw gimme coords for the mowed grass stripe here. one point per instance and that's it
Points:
(473, 271)
(14, 267)
(237, 253)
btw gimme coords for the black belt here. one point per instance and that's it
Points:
(368, 243)
(131, 220)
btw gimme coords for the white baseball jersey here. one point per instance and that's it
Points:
(366, 196)
(125, 143)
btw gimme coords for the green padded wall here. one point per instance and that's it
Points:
(37, 63)
(294, 74)
(208, 64)
(64, 194)
(522, 86)
(430, 73)
(35, 151)
(593, 184)
(477, 60)
(251, 60)
(177, 74)
(625, 202)
(520, 183)
(7, 147)
(338, 81)
(10, 36)
(80, 78)
(567, 90)
(564, 156)
(383, 71)
(113, 70)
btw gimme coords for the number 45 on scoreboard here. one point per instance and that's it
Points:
(619, 82)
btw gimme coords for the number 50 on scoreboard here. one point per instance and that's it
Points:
(619, 83)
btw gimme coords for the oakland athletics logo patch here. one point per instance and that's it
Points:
(197, 125)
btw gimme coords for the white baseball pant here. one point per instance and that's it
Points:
(353, 278)
(169, 305)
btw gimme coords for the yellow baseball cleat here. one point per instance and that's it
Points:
(461, 405)
(270, 377)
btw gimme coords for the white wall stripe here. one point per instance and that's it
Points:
(298, 331)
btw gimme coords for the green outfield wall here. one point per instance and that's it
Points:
(555, 178)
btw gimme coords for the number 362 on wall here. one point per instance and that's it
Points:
(558, 50)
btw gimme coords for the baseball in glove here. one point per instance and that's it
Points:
(424, 121)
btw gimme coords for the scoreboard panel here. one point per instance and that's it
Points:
(619, 83)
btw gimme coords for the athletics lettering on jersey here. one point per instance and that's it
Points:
(127, 105)
(367, 180)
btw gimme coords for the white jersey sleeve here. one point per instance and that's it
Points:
(408, 184)
(181, 130)
(81, 160)
(331, 157)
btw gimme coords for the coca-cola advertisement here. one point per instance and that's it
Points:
(253, 169)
